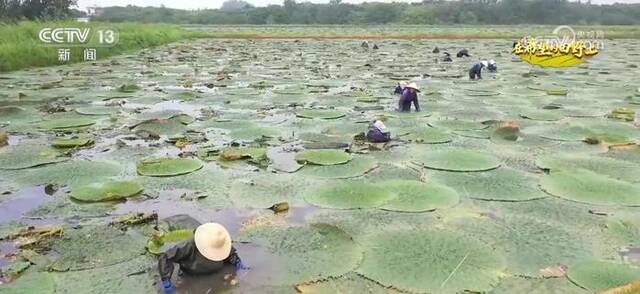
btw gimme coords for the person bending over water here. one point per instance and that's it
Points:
(409, 95)
(206, 253)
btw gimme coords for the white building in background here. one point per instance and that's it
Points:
(91, 11)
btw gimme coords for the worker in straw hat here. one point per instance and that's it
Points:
(206, 253)
(400, 87)
(409, 95)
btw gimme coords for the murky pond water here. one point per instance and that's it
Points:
(493, 183)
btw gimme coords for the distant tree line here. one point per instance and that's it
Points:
(36, 9)
(427, 12)
(336, 12)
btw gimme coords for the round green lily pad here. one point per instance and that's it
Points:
(94, 247)
(95, 110)
(457, 125)
(319, 113)
(598, 276)
(323, 157)
(358, 166)
(71, 172)
(160, 243)
(583, 185)
(71, 142)
(415, 196)
(427, 136)
(105, 191)
(430, 261)
(350, 195)
(66, 123)
(166, 127)
(459, 160)
(305, 254)
(543, 115)
(503, 184)
(617, 169)
(167, 167)
(31, 282)
(25, 156)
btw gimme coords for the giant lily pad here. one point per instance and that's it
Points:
(543, 115)
(77, 141)
(459, 160)
(95, 110)
(618, 169)
(504, 184)
(430, 261)
(415, 196)
(306, 253)
(350, 195)
(92, 247)
(457, 125)
(318, 113)
(66, 123)
(71, 172)
(167, 167)
(31, 282)
(323, 157)
(537, 286)
(354, 168)
(105, 191)
(159, 243)
(598, 276)
(586, 186)
(428, 136)
(167, 127)
(25, 156)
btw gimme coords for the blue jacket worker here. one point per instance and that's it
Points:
(476, 70)
(378, 133)
(399, 88)
(206, 253)
(409, 95)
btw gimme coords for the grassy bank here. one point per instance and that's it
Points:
(21, 47)
(402, 31)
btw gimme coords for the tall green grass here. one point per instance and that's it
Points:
(21, 48)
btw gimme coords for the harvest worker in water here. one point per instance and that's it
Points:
(476, 70)
(206, 253)
(378, 133)
(409, 95)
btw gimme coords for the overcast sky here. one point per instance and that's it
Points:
(196, 4)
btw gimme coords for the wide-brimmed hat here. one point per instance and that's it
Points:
(413, 85)
(485, 63)
(492, 61)
(213, 241)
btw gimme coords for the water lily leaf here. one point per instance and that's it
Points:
(96, 110)
(323, 157)
(15, 114)
(345, 284)
(238, 153)
(430, 261)
(162, 127)
(415, 196)
(128, 88)
(31, 282)
(252, 133)
(617, 169)
(26, 156)
(320, 113)
(589, 187)
(503, 184)
(565, 133)
(71, 172)
(460, 160)
(71, 142)
(427, 136)
(350, 195)
(105, 191)
(131, 276)
(167, 167)
(306, 254)
(543, 115)
(358, 166)
(93, 247)
(265, 190)
(457, 125)
(537, 286)
(161, 242)
(66, 123)
(598, 276)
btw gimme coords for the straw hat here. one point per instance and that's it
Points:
(485, 63)
(413, 85)
(492, 61)
(213, 241)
